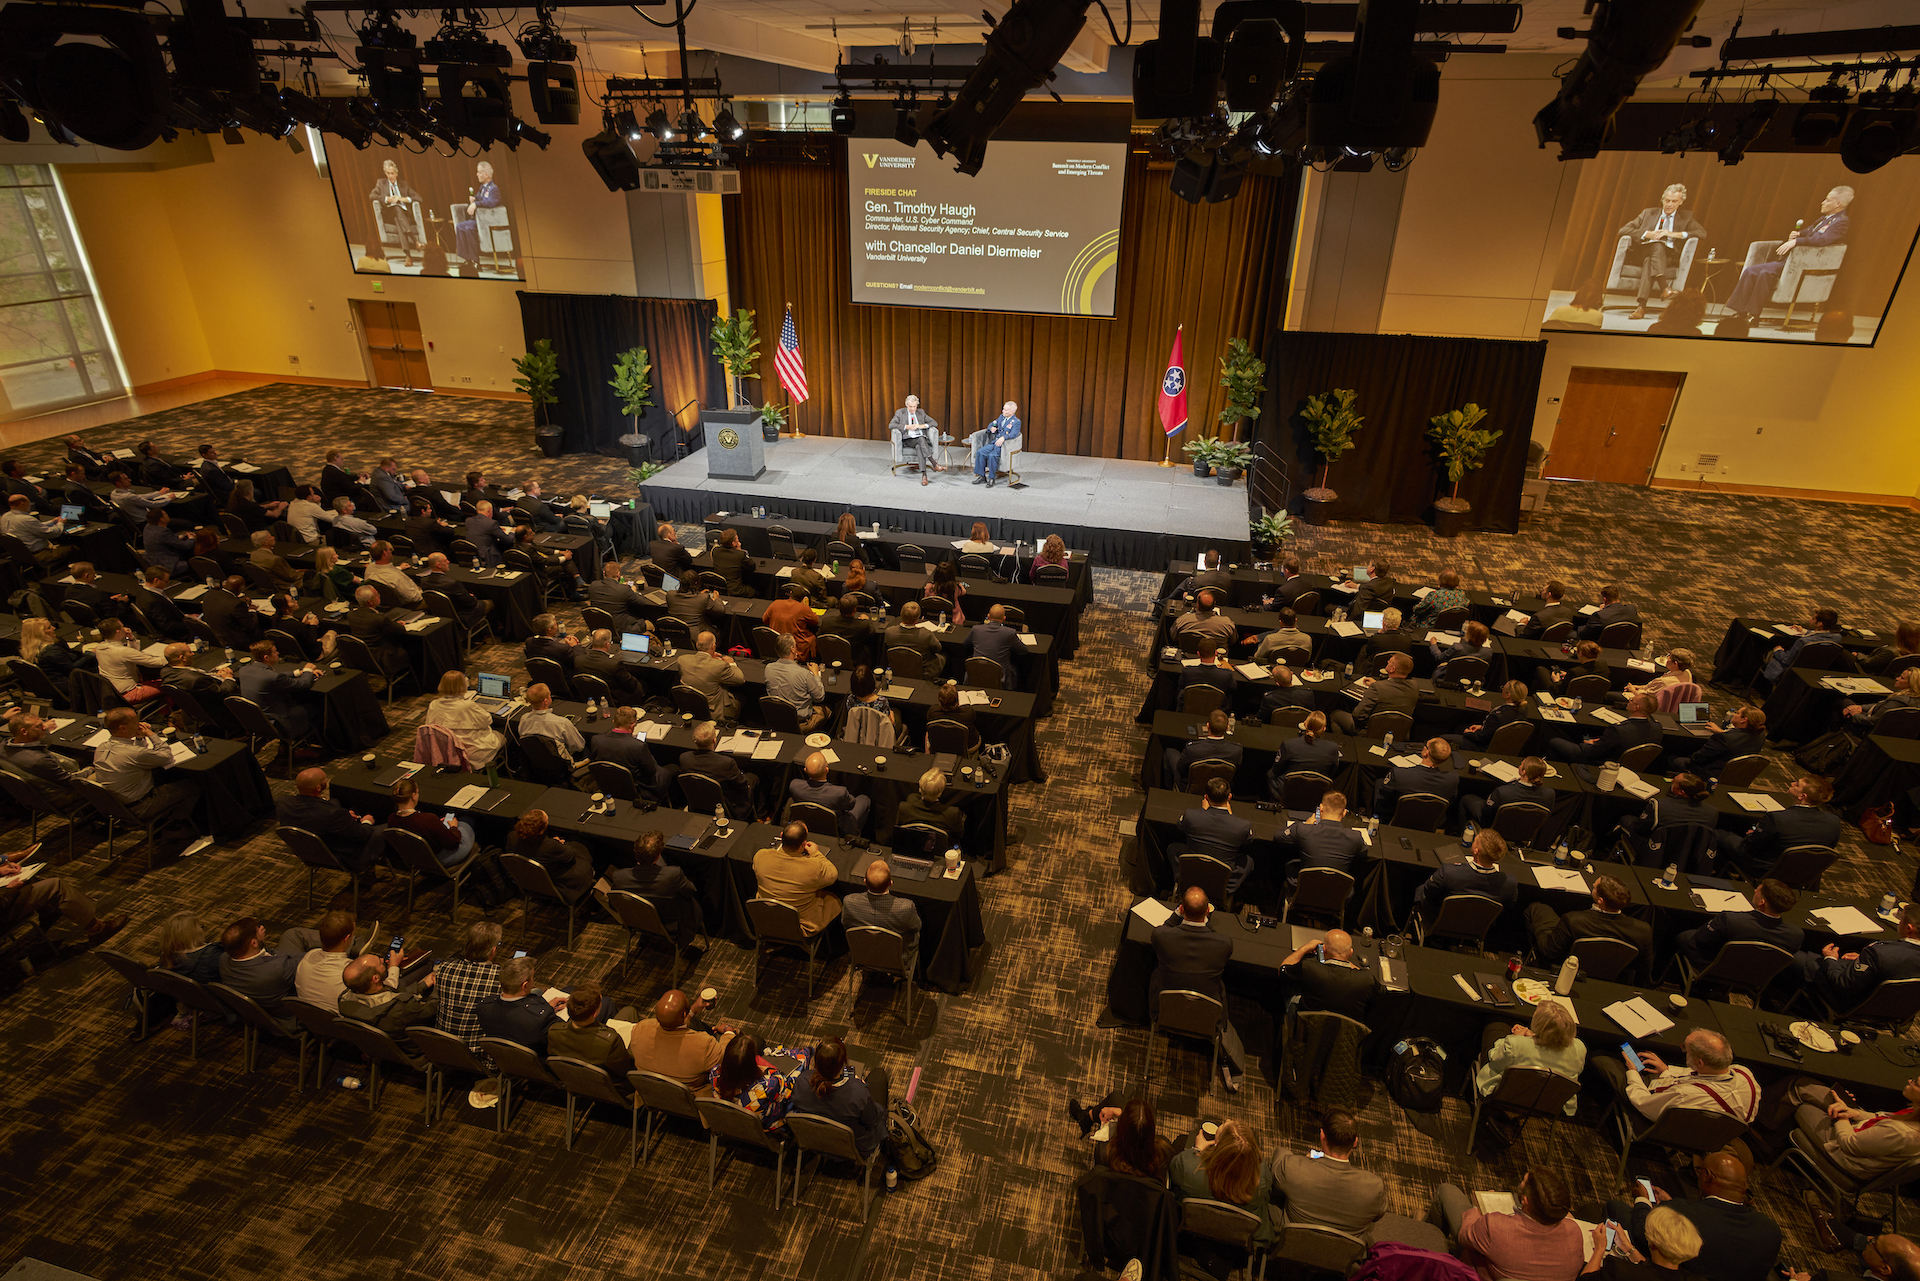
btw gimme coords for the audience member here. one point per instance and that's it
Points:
(1549, 1040)
(1480, 874)
(712, 673)
(994, 639)
(46, 897)
(1538, 1241)
(124, 665)
(1843, 980)
(1442, 599)
(1287, 693)
(470, 725)
(320, 976)
(1710, 1082)
(1395, 693)
(928, 807)
(264, 556)
(1212, 745)
(1227, 1168)
(350, 836)
(1212, 830)
(670, 1045)
(796, 683)
(1805, 822)
(598, 659)
(1822, 628)
(1772, 900)
(1671, 1241)
(879, 906)
(830, 1089)
(674, 897)
(1191, 956)
(1554, 935)
(1744, 734)
(797, 873)
(623, 745)
(449, 839)
(738, 788)
(516, 1012)
(376, 994)
(1614, 740)
(463, 982)
(1513, 707)
(1612, 610)
(567, 862)
(851, 811)
(794, 616)
(581, 1035)
(908, 633)
(743, 1077)
(1737, 1241)
(1530, 789)
(1551, 612)
(1326, 977)
(127, 764)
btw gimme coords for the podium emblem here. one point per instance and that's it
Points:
(729, 438)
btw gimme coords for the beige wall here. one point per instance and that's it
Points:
(239, 265)
(1479, 236)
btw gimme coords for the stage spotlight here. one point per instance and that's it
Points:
(521, 131)
(1021, 53)
(1178, 72)
(612, 159)
(659, 126)
(1749, 127)
(1628, 40)
(724, 124)
(390, 61)
(114, 93)
(1825, 115)
(841, 116)
(554, 90)
(626, 124)
(906, 125)
(1397, 158)
(692, 128)
(1381, 95)
(1255, 64)
(1882, 128)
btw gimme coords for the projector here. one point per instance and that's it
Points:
(704, 182)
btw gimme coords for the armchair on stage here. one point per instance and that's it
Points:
(1625, 276)
(900, 458)
(1007, 452)
(489, 236)
(390, 234)
(1806, 276)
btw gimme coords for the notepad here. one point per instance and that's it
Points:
(1029, 640)
(1589, 609)
(1846, 919)
(1514, 615)
(1252, 671)
(1557, 714)
(1404, 760)
(968, 697)
(27, 872)
(1640, 664)
(1638, 1018)
(466, 796)
(1559, 878)
(420, 624)
(832, 757)
(1607, 716)
(1761, 632)
(1421, 593)
(191, 593)
(1501, 770)
(784, 573)
(1545, 696)
(1756, 802)
(1344, 628)
(867, 535)
(97, 738)
(767, 749)
(249, 468)
(180, 752)
(1152, 911)
(1494, 1202)
(1721, 900)
(1444, 638)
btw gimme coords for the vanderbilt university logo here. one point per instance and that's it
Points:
(729, 438)
(870, 157)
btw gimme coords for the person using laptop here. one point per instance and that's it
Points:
(1744, 734)
(1373, 586)
(1389, 637)
(495, 691)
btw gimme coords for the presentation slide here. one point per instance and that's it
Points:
(1037, 231)
(1779, 248)
(408, 214)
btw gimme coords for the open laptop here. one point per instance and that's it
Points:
(1373, 620)
(600, 511)
(1360, 574)
(495, 691)
(636, 643)
(1693, 718)
(668, 583)
(73, 513)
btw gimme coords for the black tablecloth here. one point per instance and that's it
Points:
(1881, 769)
(1800, 708)
(234, 793)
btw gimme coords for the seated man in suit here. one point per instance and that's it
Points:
(439, 578)
(267, 977)
(1614, 740)
(796, 872)
(583, 1036)
(1285, 636)
(1191, 956)
(736, 784)
(422, 490)
(1612, 610)
(1433, 776)
(1843, 980)
(623, 746)
(668, 554)
(1327, 1188)
(532, 508)
(597, 658)
(1213, 829)
(167, 618)
(1744, 734)
(159, 471)
(1213, 575)
(548, 642)
(1772, 900)
(731, 562)
(1650, 834)
(278, 694)
(928, 807)
(1551, 612)
(919, 437)
(518, 1013)
(1480, 874)
(1376, 594)
(1212, 745)
(618, 597)
(1655, 239)
(1206, 621)
(843, 618)
(1392, 638)
(909, 634)
(387, 486)
(671, 1044)
(665, 885)
(880, 906)
(76, 491)
(392, 1009)
(996, 640)
(380, 628)
(352, 837)
(1291, 587)
(1325, 976)
(180, 673)
(96, 464)
(1286, 692)
(1554, 935)
(1823, 627)
(1396, 692)
(226, 609)
(82, 591)
(1805, 822)
(267, 557)
(345, 522)
(1529, 787)
(849, 810)
(712, 673)
(1472, 644)
(486, 535)
(1325, 840)
(1214, 668)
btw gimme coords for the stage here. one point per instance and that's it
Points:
(1129, 515)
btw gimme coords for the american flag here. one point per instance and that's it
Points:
(787, 363)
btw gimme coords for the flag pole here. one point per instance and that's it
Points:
(1168, 460)
(793, 409)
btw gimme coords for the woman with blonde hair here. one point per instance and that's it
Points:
(327, 569)
(1513, 707)
(185, 949)
(471, 726)
(1225, 1168)
(1311, 751)
(1671, 1241)
(40, 643)
(1547, 1041)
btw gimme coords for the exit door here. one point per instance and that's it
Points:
(396, 354)
(1611, 424)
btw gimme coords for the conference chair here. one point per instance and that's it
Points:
(1202, 772)
(1302, 789)
(1287, 717)
(780, 539)
(908, 664)
(975, 566)
(1802, 866)
(613, 778)
(1823, 656)
(118, 813)
(1380, 724)
(951, 737)
(1891, 1005)
(775, 924)
(314, 852)
(1641, 756)
(193, 1000)
(595, 1084)
(515, 1063)
(1206, 871)
(726, 1119)
(829, 1138)
(1691, 1130)
(1744, 965)
(586, 685)
(1901, 722)
(829, 649)
(1320, 1058)
(1844, 1191)
(1201, 700)
(1742, 770)
(1306, 604)
(545, 671)
(1624, 634)
(1520, 821)
(1688, 846)
(1512, 739)
(1294, 657)
(820, 820)
(1557, 632)
(660, 1096)
(287, 645)
(1589, 687)
(985, 673)
(1050, 576)
(1523, 1094)
(1008, 449)
(379, 1049)
(1624, 277)
(1315, 1247)
(1466, 667)
(873, 949)
(532, 879)
(441, 1053)
(1604, 958)
(766, 644)
(1190, 1014)
(37, 798)
(1228, 1225)
(420, 860)
(322, 1026)
(1462, 918)
(33, 679)
(674, 631)
(691, 701)
(356, 653)
(1450, 620)
(703, 794)
(1322, 891)
(1419, 811)
(912, 558)
(207, 569)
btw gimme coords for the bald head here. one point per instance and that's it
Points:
(1339, 944)
(1901, 1256)
(879, 877)
(1193, 904)
(364, 974)
(998, 613)
(816, 766)
(670, 1011)
(1724, 1177)
(311, 782)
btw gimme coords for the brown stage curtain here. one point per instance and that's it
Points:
(1758, 199)
(1084, 386)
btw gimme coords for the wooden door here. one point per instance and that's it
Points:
(1611, 424)
(396, 353)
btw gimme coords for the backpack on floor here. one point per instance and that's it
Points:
(1828, 754)
(907, 1148)
(1416, 1075)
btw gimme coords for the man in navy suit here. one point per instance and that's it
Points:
(486, 536)
(517, 1013)
(218, 483)
(1434, 775)
(1215, 830)
(1845, 979)
(996, 640)
(1326, 841)
(1529, 787)
(1638, 728)
(1480, 874)
(1212, 745)
(547, 642)
(1771, 901)
(387, 486)
(850, 810)
(986, 458)
(624, 747)
(1213, 669)
(1551, 612)
(277, 692)
(1824, 626)
(1757, 283)
(1805, 822)
(1683, 806)
(1192, 957)
(1743, 735)
(352, 837)
(665, 885)
(1612, 610)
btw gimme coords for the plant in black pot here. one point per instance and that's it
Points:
(1331, 421)
(539, 371)
(633, 383)
(1230, 461)
(1268, 534)
(1461, 446)
(1203, 450)
(772, 419)
(737, 347)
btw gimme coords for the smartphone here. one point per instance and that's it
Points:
(1406, 843)
(1633, 1058)
(518, 955)
(1612, 1233)
(1320, 951)
(1646, 1186)
(399, 943)
(1314, 1154)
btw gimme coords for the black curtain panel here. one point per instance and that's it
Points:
(1390, 475)
(588, 330)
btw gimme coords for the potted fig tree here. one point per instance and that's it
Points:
(738, 348)
(539, 371)
(1330, 421)
(633, 383)
(1461, 446)
(1244, 375)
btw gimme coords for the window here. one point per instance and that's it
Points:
(54, 347)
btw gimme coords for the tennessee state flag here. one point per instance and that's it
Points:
(1173, 391)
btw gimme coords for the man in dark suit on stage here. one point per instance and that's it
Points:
(1659, 234)
(1192, 957)
(1757, 283)
(919, 436)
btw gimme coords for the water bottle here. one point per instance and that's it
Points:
(1366, 933)
(1569, 971)
(1466, 837)
(347, 1082)
(1373, 827)
(893, 1178)
(1560, 856)
(720, 817)
(1233, 723)
(593, 708)
(1386, 741)
(1672, 875)
(200, 745)
(1887, 903)
(889, 675)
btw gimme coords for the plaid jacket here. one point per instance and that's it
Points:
(461, 986)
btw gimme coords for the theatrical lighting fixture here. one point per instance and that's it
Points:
(390, 60)
(906, 125)
(840, 115)
(212, 52)
(626, 124)
(1629, 39)
(113, 93)
(659, 126)
(1394, 159)
(1882, 128)
(1825, 115)
(691, 127)
(1747, 128)
(1695, 135)
(1178, 73)
(1381, 95)
(612, 159)
(1020, 55)
(519, 131)
(726, 126)
(1255, 64)
(475, 101)
(554, 90)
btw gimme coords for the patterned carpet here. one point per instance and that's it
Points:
(125, 1159)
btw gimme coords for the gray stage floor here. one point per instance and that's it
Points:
(1071, 490)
